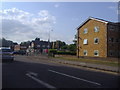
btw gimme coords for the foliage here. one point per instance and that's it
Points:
(66, 53)
(72, 47)
(52, 52)
(27, 43)
(58, 44)
(65, 47)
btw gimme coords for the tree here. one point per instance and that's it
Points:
(75, 39)
(7, 43)
(58, 44)
(27, 43)
(72, 47)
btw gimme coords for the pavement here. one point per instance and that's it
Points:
(30, 72)
(78, 63)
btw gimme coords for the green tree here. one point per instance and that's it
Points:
(72, 47)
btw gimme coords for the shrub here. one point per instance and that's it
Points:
(52, 52)
(66, 53)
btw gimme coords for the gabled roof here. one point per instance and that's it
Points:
(92, 18)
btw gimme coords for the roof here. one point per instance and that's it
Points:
(92, 18)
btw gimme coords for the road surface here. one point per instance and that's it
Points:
(27, 73)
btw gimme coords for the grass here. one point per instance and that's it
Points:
(93, 61)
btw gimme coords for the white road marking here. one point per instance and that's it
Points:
(33, 73)
(39, 81)
(74, 77)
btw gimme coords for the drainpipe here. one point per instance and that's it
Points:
(78, 41)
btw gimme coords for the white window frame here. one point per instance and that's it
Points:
(85, 51)
(85, 41)
(85, 31)
(95, 42)
(96, 29)
(97, 52)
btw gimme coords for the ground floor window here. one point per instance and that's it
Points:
(96, 53)
(111, 53)
(85, 52)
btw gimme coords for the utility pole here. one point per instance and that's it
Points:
(49, 40)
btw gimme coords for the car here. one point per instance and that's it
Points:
(6, 54)
(20, 52)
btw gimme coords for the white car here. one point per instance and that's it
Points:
(6, 54)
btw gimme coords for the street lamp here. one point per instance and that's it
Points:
(49, 39)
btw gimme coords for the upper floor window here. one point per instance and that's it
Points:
(85, 31)
(85, 41)
(96, 40)
(112, 28)
(111, 39)
(117, 39)
(96, 29)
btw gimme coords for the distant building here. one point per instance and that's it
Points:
(38, 46)
(20, 47)
(98, 38)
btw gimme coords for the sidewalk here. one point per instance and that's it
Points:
(78, 63)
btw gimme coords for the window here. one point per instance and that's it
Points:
(111, 27)
(117, 40)
(85, 41)
(96, 53)
(111, 39)
(96, 29)
(85, 52)
(96, 40)
(111, 53)
(38, 45)
(43, 46)
(85, 31)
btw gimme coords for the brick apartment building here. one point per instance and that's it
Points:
(98, 38)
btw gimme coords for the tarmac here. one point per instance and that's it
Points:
(82, 64)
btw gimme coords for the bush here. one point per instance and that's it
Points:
(52, 52)
(66, 53)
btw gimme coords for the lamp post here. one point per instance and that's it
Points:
(49, 40)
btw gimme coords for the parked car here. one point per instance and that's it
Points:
(20, 52)
(6, 54)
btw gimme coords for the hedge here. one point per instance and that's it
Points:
(52, 52)
(66, 53)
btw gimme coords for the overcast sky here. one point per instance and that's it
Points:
(23, 21)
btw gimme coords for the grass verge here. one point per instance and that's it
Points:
(93, 61)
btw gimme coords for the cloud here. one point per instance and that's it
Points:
(19, 25)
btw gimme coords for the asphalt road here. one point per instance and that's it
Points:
(27, 73)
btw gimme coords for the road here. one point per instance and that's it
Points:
(27, 73)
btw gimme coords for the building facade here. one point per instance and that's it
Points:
(98, 38)
(38, 46)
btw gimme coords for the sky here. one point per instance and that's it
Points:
(23, 21)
